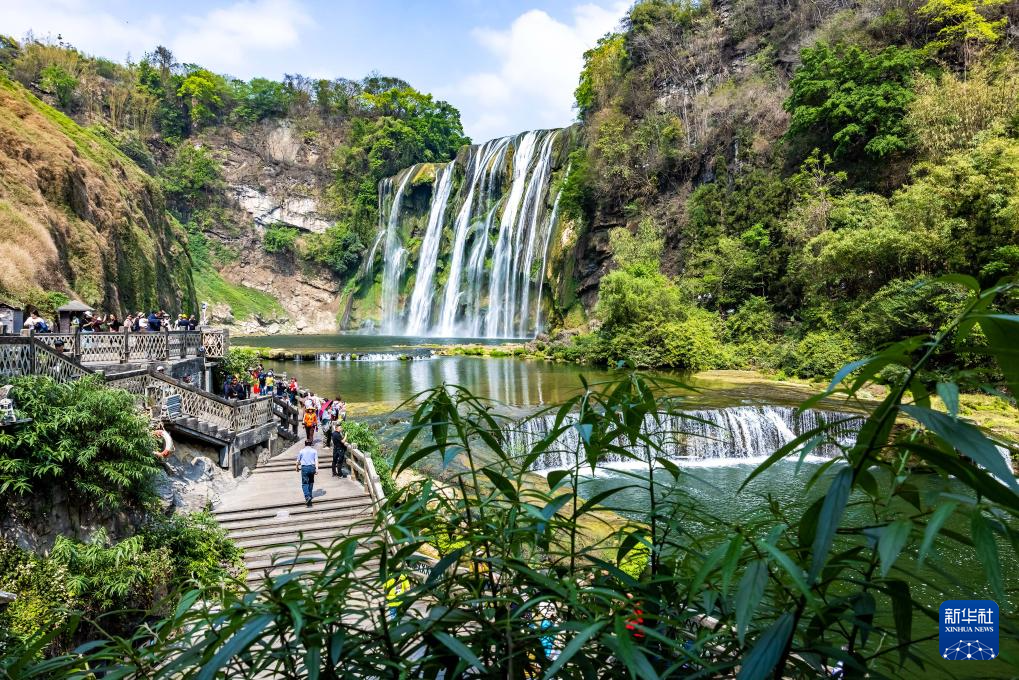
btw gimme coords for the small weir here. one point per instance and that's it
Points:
(408, 355)
(735, 433)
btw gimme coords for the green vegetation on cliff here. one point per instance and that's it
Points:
(793, 217)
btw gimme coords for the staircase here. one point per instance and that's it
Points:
(267, 518)
(193, 425)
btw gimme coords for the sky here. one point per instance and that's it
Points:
(506, 65)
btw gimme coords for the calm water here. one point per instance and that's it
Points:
(518, 385)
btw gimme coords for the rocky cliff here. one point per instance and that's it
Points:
(79, 217)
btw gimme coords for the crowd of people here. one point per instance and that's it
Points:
(87, 322)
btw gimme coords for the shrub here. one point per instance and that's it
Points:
(364, 440)
(41, 586)
(198, 547)
(83, 437)
(847, 100)
(820, 355)
(691, 344)
(110, 578)
(60, 84)
(338, 248)
(753, 320)
(191, 179)
(280, 238)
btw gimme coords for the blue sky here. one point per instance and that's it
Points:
(507, 65)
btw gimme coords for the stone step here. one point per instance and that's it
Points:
(259, 574)
(283, 557)
(262, 542)
(344, 516)
(295, 508)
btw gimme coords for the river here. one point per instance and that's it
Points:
(754, 416)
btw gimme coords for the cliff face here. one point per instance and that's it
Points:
(276, 174)
(79, 217)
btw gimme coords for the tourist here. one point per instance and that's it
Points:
(155, 322)
(58, 346)
(34, 322)
(340, 407)
(395, 587)
(326, 418)
(310, 423)
(339, 442)
(114, 323)
(307, 464)
(270, 382)
(261, 379)
(129, 322)
(141, 323)
(192, 323)
(89, 325)
(182, 323)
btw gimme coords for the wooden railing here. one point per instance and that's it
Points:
(126, 346)
(21, 356)
(363, 469)
(237, 416)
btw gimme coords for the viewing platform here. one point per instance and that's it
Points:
(176, 398)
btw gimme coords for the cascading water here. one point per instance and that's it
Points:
(736, 432)
(424, 291)
(489, 225)
(394, 254)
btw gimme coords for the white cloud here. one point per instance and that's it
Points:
(223, 39)
(539, 59)
(77, 23)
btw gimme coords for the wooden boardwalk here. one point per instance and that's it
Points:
(266, 514)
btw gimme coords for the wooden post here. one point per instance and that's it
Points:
(125, 350)
(77, 342)
(33, 360)
(166, 343)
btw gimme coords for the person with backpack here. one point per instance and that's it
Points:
(310, 422)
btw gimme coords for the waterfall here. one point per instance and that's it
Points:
(489, 224)
(421, 298)
(394, 254)
(736, 432)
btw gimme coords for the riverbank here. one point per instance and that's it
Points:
(513, 361)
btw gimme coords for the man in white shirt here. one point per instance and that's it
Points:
(307, 464)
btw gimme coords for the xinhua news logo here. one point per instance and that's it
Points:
(969, 630)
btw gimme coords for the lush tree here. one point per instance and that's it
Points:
(848, 100)
(603, 65)
(964, 23)
(203, 92)
(260, 99)
(84, 438)
(338, 248)
(191, 180)
(400, 127)
(280, 238)
(60, 83)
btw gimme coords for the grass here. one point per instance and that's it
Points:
(244, 302)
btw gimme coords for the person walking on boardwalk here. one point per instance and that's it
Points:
(310, 421)
(339, 442)
(307, 465)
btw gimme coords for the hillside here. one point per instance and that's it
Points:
(271, 185)
(78, 217)
(790, 179)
